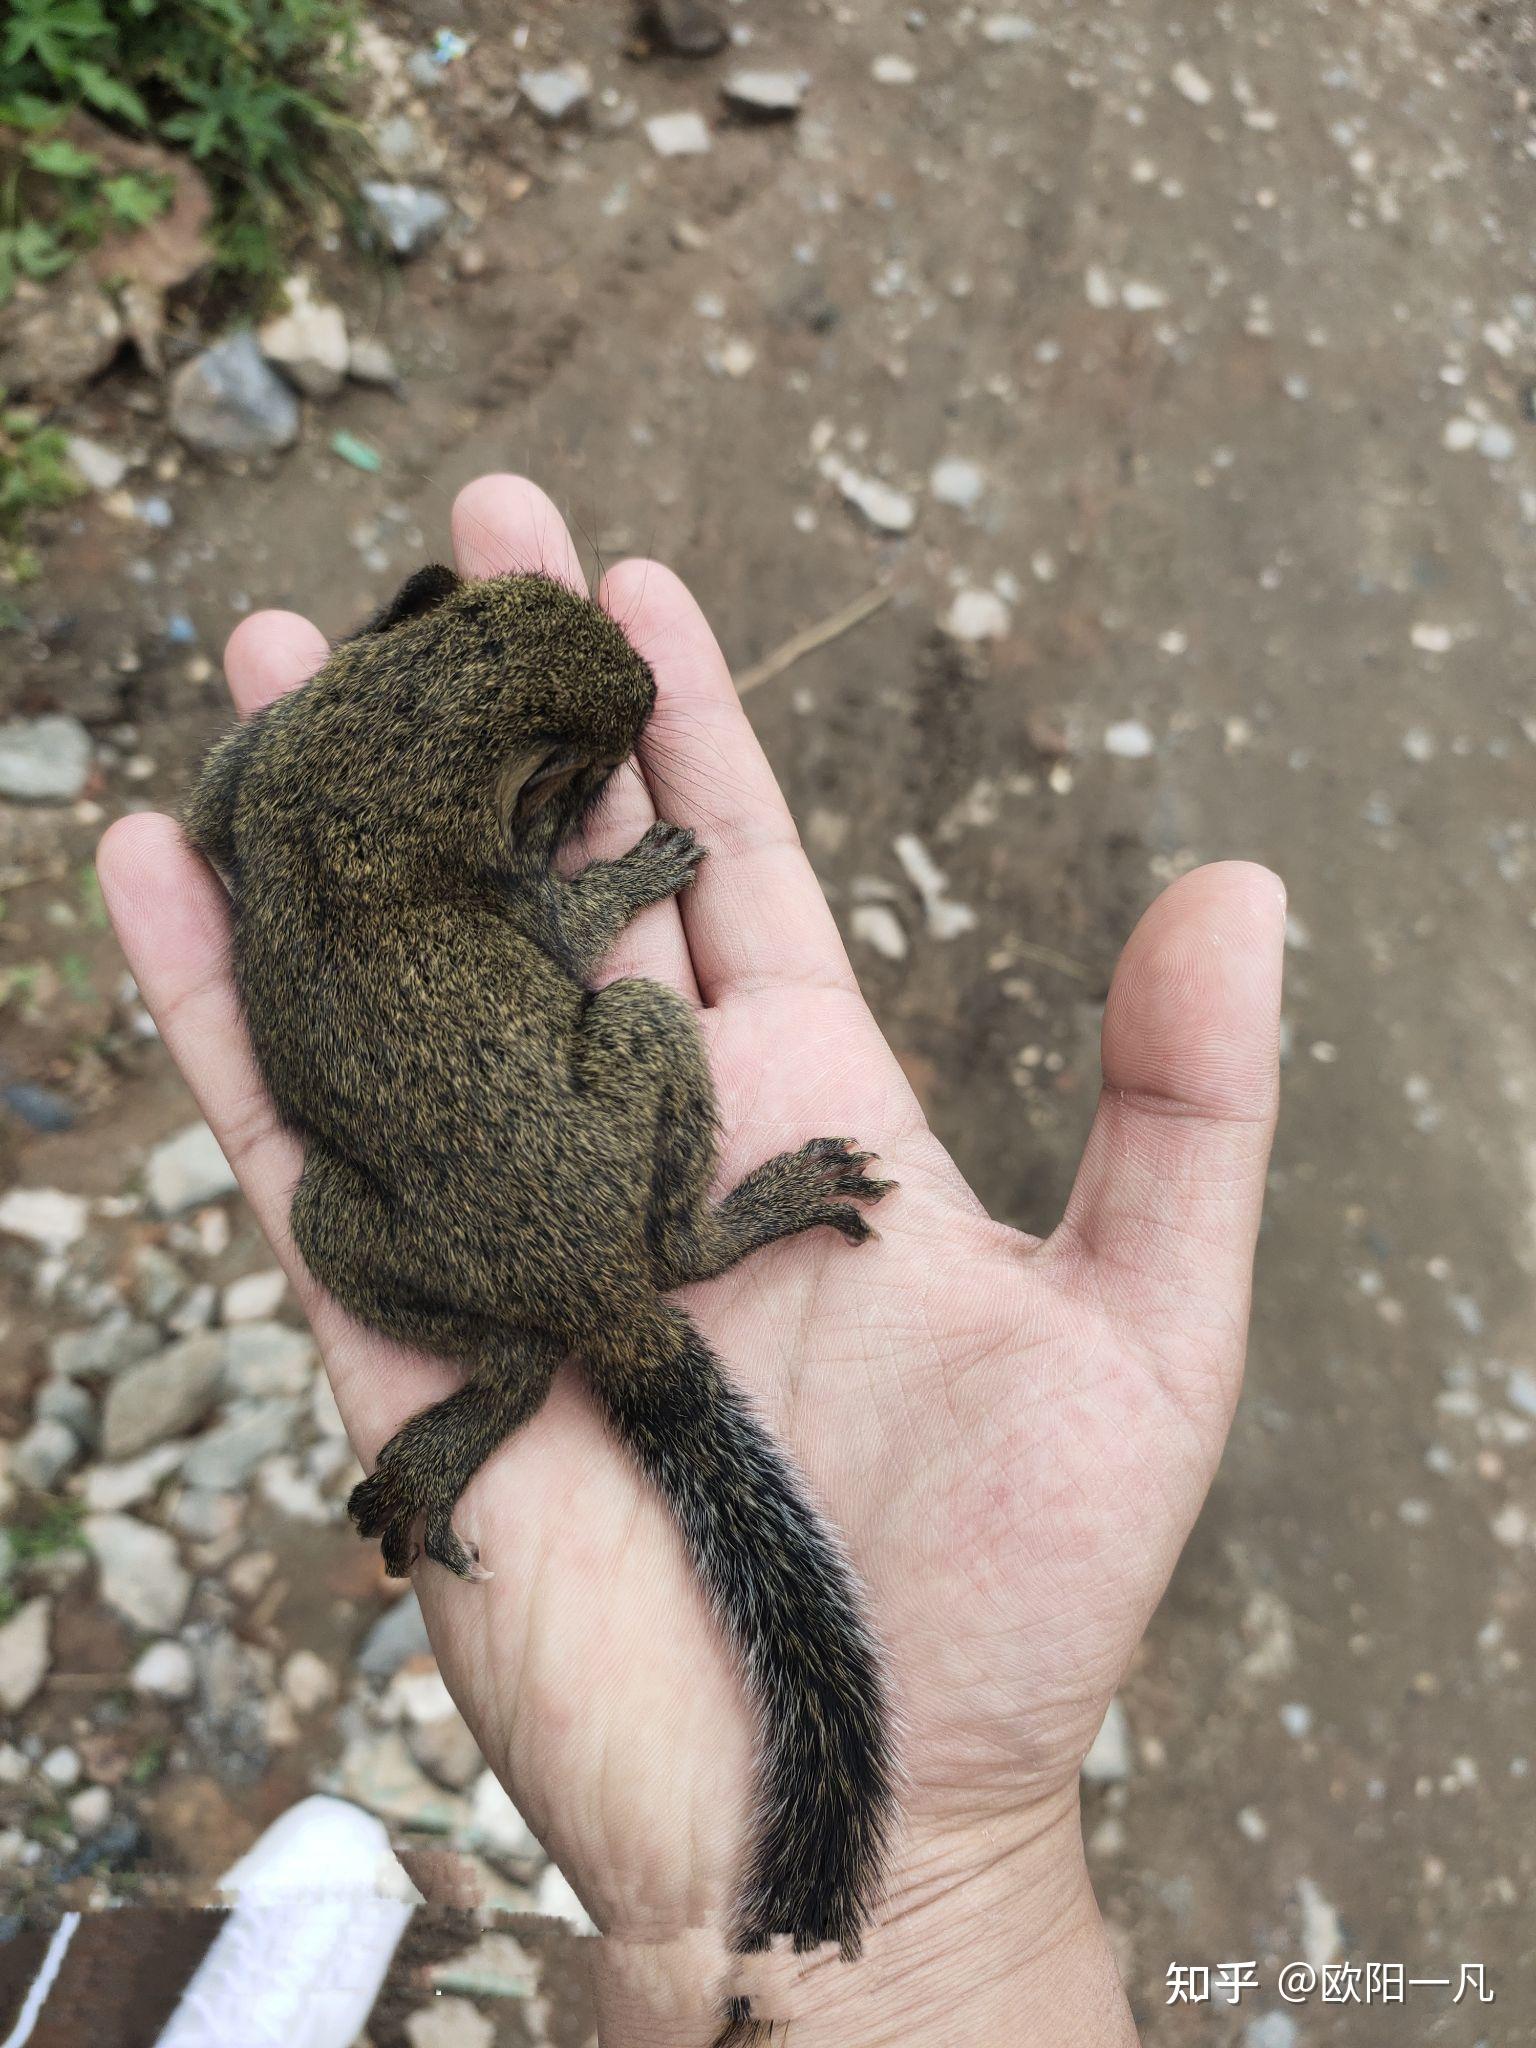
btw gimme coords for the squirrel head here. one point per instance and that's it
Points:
(470, 722)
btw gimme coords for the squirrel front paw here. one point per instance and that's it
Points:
(665, 860)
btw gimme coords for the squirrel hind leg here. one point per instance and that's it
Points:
(427, 1464)
(814, 1187)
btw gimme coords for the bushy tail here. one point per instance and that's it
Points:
(790, 1604)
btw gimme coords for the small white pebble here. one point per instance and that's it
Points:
(976, 615)
(1129, 740)
(1430, 638)
(879, 927)
(955, 481)
(893, 70)
(1193, 84)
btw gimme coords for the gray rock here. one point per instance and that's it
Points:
(66, 1401)
(230, 401)
(187, 1171)
(255, 1298)
(56, 336)
(397, 1635)
(90, 1810)
(226, 1458)
(682, 134)
(111, 1346)
(24, 1654)
(407, 216)
(44, 760)
(558, 93)
(401, 148)
(195, 1311)
(369, 362)
(768, 95)
(142, 1577)
(43, 1216)
(447, 1751)
(41, 1109)
(263, 1359)
(102, 468)
(158, 1282)
(43, 1456)
(108, 1489)
(686, 27)
(307, 341)
(234, 1682)
(164, 1397)
(165, 1672)
(1109, 1760)
(379, 1772)
(206, 1517)
(61, 1767)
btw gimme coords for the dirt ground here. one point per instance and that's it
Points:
(1233, 309)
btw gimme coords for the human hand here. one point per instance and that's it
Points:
(1014, 1436)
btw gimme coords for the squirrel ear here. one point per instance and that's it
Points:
(417, 595)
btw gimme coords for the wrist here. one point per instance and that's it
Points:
(986, 1935)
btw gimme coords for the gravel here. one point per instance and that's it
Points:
(118, 1341)
(557, 93)
(44, 1217)
(230, 401)
(187, 1171)
(44, 760)
(45, 1454)
(24, 1654)
(409, 217)
(227, 1457)
(164, 1397)
(681, 134)
(307, 341)
(165, 1671)
(142, 1577)
(767, 95)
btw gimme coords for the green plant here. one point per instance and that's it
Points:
(53, 1527)
(251, 90)
(35, 476)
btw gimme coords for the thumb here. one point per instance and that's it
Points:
(1162, 1219)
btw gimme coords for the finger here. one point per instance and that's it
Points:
(505, 525)
(1166, 1205)
(269, 654)
(172, 921)
(756, 916)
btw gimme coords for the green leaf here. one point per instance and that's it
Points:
(61, 159)
(111, 95)
(135, 201)
(28, 110)
(37, 251)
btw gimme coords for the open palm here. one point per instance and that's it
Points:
(1013, 1436)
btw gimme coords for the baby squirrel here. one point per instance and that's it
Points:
(506, 1167)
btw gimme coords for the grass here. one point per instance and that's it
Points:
(54, 1527)
(35, 476)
